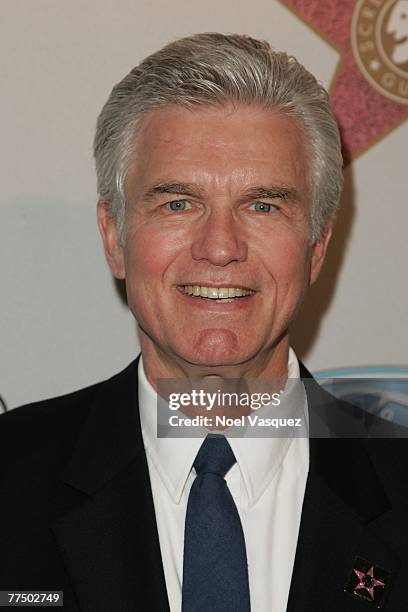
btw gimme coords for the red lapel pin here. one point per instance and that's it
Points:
(368, 582)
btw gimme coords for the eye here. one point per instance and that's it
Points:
(178, 205)
(263, 207)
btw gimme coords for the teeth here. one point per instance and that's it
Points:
(217, 293)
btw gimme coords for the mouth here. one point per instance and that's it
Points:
(217, 294)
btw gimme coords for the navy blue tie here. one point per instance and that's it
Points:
(215, 570)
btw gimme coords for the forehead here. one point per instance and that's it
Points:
(220, 146)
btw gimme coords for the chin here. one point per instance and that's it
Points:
(214, 351)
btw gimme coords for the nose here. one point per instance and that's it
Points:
(219, 241)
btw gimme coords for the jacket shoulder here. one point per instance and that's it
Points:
(43, 416)
(37, 438)
(49, 427)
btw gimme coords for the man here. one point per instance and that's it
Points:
(219, 174)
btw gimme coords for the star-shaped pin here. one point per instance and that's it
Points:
(368, 582)
(369, 90)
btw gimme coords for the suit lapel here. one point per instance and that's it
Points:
(104, 521)
(343, 507)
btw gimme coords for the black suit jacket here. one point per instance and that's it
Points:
(76, 508)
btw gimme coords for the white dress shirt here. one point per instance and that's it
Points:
(267, 483)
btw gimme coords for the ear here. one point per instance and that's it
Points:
(113, 250)
(319, 249)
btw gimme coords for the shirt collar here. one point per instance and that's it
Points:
(173, 458)
(259, 459)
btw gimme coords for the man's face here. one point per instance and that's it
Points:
(217, 198)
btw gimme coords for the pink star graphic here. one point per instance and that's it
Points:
(367, 581)
(364, 115)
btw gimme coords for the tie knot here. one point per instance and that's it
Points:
(215, 456)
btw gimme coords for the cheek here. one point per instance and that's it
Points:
(149, 253)
(287, 263)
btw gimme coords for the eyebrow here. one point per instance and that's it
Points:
(272, 191)
(187, 189)
(269, 192)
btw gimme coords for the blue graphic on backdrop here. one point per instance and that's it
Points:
(382, 391)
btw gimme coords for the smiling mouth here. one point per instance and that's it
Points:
(218, 294)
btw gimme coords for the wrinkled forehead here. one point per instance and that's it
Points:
(219, 145)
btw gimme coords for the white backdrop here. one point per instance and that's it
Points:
(63, 324)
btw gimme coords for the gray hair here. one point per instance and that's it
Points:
(212, 69)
